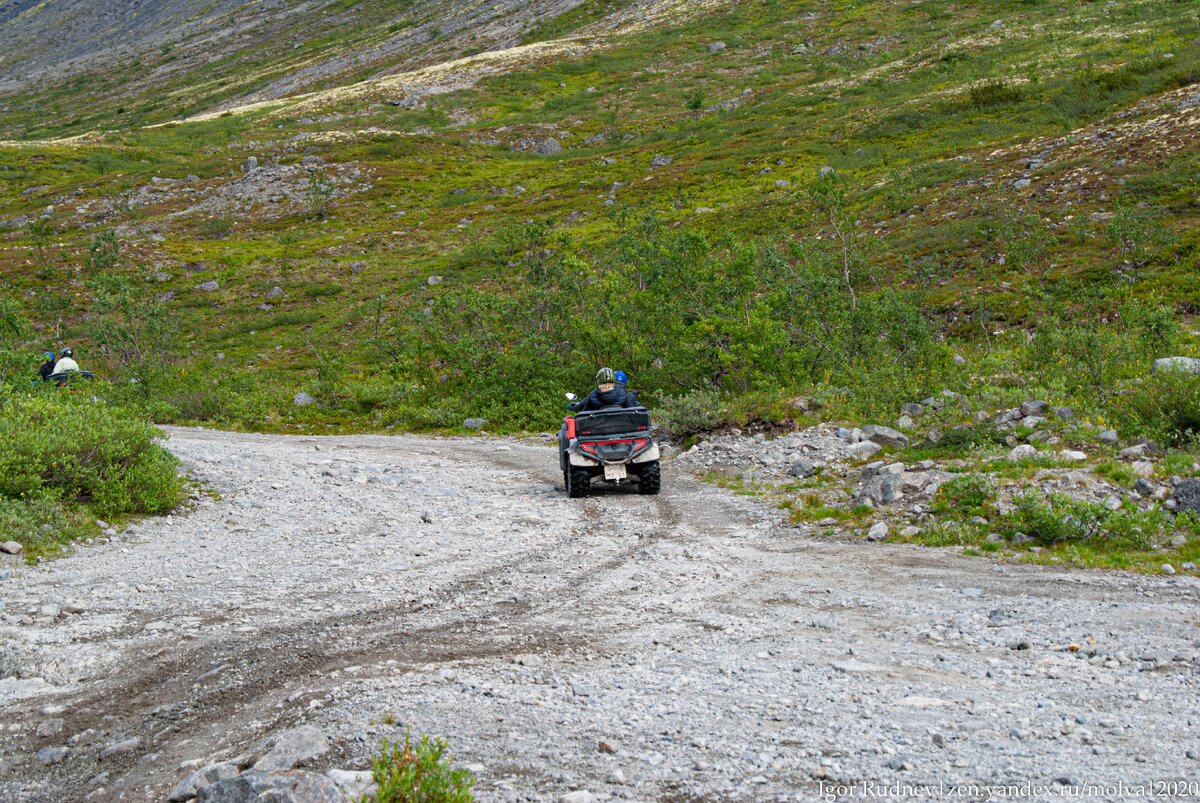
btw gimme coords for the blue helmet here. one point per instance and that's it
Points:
(49, 355)
(620, 377)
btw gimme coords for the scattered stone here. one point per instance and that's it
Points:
(802, 468)
(355, 785)
(11, 548)
(885, 436)
(912, 409)
(1186, 364)
(910, 532)
(865, 450)
(52, 755)
(1187, 495)
(550, 147)
(1034, 408)
(190, 786)
(905, 422)
(825, 170)
(294, 748)
(274, 293)
(291, 786)
(715, 47)
(1063, 413)
(474, 423)
(434, 281)
(1069, 454)
(1109, 437)
(532, 661)
(1022, 452)
(250, 165)
(121, 748)
(1022, 183)
(661, 161)
(1133, 452)
(302, 399)
(49, 727)
(208, 286)
(1143, 468)
(878, 532)
(606, 746)
(1179, 541)
(1143, 486)
(1168, 569)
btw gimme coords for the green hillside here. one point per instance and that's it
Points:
(864, 201)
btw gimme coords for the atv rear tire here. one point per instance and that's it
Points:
(650, 480)
(578, 481)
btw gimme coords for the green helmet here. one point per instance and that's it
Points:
(605, 376)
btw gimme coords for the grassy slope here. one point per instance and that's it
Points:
(882, 93)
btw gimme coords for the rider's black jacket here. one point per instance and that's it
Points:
(617, 397)
(45, 370)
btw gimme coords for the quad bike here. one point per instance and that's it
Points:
(69, 379)
(612, 444)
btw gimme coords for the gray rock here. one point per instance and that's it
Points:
(802, 468)
(1133, 452)
(878, 532)
(274, 293)
(824, 171)
(11, 548)
(1109, 437)
(250, 165)
(49, 727)
(1022, 452)
(661, 161)
(865, 450)
(912, 409)
(354, 784)
(1034, 408)
(885, 436)
(910, 532)
(1168, 569)
(960, 359)
(883, 489)
(1063, 413)
(474, 423)
(208, 286)
(1179, 541)
(1022, 183)
(190, 786)
(550, 147)
(715, 47)
(1187, 495)
(121, 748)
(1143, 486)
(292, 786)
(1187, 364)
(52, 755)
(293, 748)
(302, 399)
(905, 422)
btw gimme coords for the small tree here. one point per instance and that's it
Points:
(320, 193)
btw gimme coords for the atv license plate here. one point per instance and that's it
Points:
(616, 472)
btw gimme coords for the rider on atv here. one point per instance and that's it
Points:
(607, 394)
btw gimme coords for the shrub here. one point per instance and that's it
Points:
(993, 93)
(965, 495)
(1059, 519)
(81, 452)
(690, 413)
(420, 773)
(1165, 407)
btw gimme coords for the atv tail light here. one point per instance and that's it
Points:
(588, 447)
(640, 443)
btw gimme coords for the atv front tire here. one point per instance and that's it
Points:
(578, 481)
(650, 480)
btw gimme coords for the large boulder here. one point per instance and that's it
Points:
(277, 786)
(1187, 495)
(293, 748)
(885, 436)
(190, 786)
(1188, 364)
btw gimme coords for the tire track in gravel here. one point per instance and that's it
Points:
(203, 689)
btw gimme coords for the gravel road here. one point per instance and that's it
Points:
(682, 647)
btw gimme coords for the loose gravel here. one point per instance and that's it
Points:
(689, 646)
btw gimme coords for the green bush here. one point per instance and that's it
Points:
(77, 451)
(965, 495)
(690, 413)
(1060, 519)
(1165, 407)
(420, 773)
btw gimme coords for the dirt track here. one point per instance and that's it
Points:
(368, 583)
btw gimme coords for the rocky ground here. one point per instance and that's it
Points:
(691, 646)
